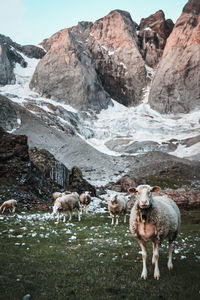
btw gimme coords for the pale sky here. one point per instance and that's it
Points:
(31, 21)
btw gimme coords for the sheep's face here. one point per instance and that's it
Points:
(87, 193)
(113, 199)
(144, 195)
(55, 209)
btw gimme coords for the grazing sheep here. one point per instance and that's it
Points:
(117, 204)
(85, 200)
(59, 194)
(67, 203)
(154, 218)
(8, 204)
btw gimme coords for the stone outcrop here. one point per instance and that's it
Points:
(10, 55)
(9, 116)
(32, 176)
(175, 87)
(153, 33)
(50, 167)
(19, 178)
(113, 43)
(67, 73)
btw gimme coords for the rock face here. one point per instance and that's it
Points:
(19, 178)
(67, 72)
(153, 34)
(175, 87)
(9, 56)
(87, 62)
(9, 117)
(114, 46)
(50, 167)
(31, 179)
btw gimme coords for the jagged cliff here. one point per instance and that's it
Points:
(176, 85)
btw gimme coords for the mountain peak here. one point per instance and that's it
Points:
(193, 6)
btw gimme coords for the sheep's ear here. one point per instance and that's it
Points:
(155, 189)
(132, 190)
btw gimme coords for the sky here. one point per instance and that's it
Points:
(31, 21)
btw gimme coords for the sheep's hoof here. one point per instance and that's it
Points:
(170, 266)
(157, 276)
(144, 275)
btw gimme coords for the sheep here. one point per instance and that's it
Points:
(8, 204)
(67, 203)
(59, 194)
(85, 200)
(117, 204)
(154, 218)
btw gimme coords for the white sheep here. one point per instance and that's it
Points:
(154, 218)
(59, 194)
(85, 200)
(117, 204)
(67, 203)
(8, 204)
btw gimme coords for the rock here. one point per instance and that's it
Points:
(174, 88)
(78, 183)
(153, 34)
(9, 56)
(126, 145)
(73, 77)
(31, 176)
(32, 51)
(113, 43)
(9, 117)
(50, 167)
(19, 178)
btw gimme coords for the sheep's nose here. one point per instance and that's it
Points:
(144, 203)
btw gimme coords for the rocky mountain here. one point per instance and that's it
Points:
(175, 87)
(10, 55)
(153, 33)
(67, 72)
(89, 63)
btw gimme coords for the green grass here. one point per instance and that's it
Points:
(92, 260)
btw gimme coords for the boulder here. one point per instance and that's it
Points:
(175, 87)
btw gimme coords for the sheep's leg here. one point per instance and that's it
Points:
(117, 219)
(153, 258)
(58, 218)
(144, 258)
(125, 218)
(79, 215)
(86, 209)
(113, 219)
(3, 209)
(64, 218)
(70, 215)
(169, 264)
(14, 208)
(156, 256)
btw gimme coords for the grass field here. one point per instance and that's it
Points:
(92, 260)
